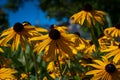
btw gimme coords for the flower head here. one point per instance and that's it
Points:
(113, 51)
(55, 42)
(80, 43)
(113, 31)
(90, 48)
(89, 15)
(18, 34)
(53, 70)
(104, 70)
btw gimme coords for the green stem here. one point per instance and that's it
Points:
(27, 65)
(35, 65)
(94, 38)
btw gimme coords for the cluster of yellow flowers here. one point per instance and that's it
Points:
(100, 56)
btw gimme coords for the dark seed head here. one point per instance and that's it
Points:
(77, 33)
(91, 43)
(18, 27)
(119, 46)
(87, 7)
(117, 26)
(110, 68)
(54, 34)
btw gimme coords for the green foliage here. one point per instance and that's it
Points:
(3, 20)
(14, 5)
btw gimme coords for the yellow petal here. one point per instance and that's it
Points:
(6, 32)
(96, 66)
(83, 18)
(89, 22)
(98, 76)
(7, 38)
(17, 41)
(112, 53)
(1, 50)
(116, 58)
(41, 29)
(39, 38)
(99, 62)
(93, 72)
(42, 45)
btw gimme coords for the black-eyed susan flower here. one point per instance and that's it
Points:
(113, 31)
(23, 76)
(90, 48)
(106, 40)
(113, 51)
(7, 74)
(89, 15)
(18, 34)
(53, 70)
(104, 70)
(54, 41)
(80, 43)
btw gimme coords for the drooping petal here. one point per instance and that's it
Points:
(96, 66)
(99, 62)
(93, 72)
(116, 58)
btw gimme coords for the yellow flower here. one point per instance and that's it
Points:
(53, 70)
(104, 70)
(89, 15)
(7, 73)
(113, 31)
(105, 42)
(19, 33)
(80, 43)
(55, 40)
(23, 76)
(90, 48)
(113, 51)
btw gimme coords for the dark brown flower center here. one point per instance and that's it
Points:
(87, 7)
(18, 27)
(77, 33)
(110, 68)
(54, 34)
(119, 46)
(91, 43)
(117, 26)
